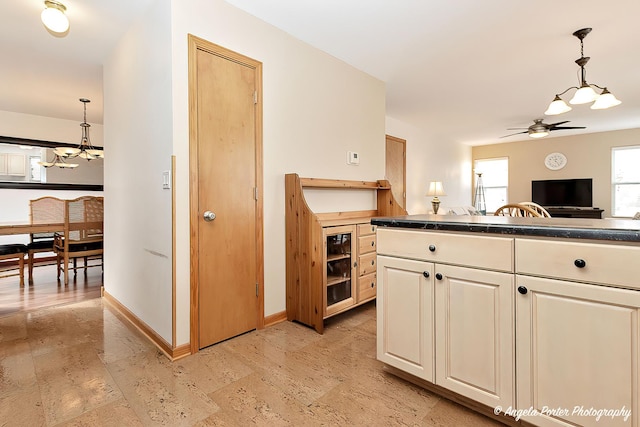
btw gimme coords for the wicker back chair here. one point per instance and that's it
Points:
(83, 233)
(45, 210)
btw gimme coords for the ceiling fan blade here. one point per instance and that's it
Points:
(517, 133)
(516, 128)
(557, 123)
(567, 127)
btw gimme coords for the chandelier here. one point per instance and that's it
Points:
(585, 92)
(85, 149)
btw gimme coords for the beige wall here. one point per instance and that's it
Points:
(588, 156)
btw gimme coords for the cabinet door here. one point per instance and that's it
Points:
(475, 333)
(16, 164)
(3, 164)
(339, 273)
(577, 348)
(405, 315)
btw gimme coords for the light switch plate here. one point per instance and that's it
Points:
(166, 180)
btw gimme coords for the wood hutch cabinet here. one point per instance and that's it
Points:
(331, 257)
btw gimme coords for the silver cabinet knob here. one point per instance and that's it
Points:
(209, 216)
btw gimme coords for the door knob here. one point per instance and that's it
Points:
(209, 216)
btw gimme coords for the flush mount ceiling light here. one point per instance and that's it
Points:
(53, 16)
(85, 149)
(585, 92)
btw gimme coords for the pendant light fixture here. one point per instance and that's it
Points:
(58, 161)
(85, 150)
(53, 16)
(585, 92)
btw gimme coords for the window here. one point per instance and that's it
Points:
(495, 180)
(625, 180)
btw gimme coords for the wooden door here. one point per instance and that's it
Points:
(405, 315)
(577, 346)
(396, 168)
(475, 334)
(226, 171)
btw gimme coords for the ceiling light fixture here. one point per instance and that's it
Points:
(58, 161)
(85, 149)
(585, 92)
(53, 16)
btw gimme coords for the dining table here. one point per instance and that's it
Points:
(26, 227)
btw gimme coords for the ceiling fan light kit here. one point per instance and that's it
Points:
(53, 16)
(585, 93)
(539, 129)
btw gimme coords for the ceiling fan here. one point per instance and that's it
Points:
(539, 129)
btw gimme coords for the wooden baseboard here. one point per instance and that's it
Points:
(172, 353)
(275, 318)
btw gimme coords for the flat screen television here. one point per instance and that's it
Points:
(563, 192)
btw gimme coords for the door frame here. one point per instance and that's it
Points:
(197, 44)
(404, 165)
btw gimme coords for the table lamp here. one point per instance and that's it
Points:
(435, 190)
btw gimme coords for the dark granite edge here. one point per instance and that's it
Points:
(618, 235)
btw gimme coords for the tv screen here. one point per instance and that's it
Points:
(563, 192)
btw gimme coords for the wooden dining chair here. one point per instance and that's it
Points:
(45, 210)
(536, 207)
(83, 233)
(14, 251)
(517, 210)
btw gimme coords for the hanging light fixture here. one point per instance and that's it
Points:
(58, 161)
(585, 92)
(85, 150)
(53, 16)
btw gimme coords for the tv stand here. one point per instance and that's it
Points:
(575, 212)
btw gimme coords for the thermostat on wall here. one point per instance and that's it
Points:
(353, 158)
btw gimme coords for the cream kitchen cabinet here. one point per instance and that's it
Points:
(13, 164)
(405, 312)
(577, 342)
(443, 322)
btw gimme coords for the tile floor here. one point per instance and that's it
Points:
(81, 365)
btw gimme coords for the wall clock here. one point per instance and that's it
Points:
(555, 161)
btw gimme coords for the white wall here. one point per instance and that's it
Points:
(433, 158)
(29, 126)
(138, 132)
(315, 109)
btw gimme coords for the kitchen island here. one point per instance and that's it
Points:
(530, 318)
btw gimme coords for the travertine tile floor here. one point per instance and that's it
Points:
(80, 365)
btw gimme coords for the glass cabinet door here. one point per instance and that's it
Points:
(339, 268)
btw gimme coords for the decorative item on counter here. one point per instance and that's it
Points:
(435, 189)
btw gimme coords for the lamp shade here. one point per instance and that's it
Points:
(53, 16)
(584, 95)
(557, 106)
(538, 134)
(605, 100)
(436, 189)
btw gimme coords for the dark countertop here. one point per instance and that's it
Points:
(570, 228)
